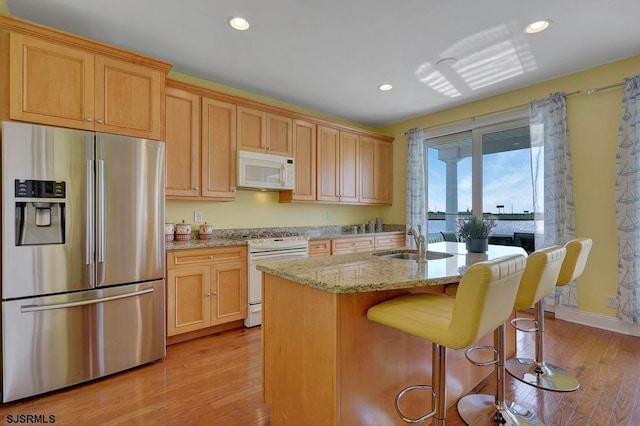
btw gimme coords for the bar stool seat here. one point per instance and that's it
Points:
(485, 299)
(538, 372)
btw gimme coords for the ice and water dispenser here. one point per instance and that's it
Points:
(40, 212)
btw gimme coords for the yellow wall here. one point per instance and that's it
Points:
(254, 209)
(3, 8)
(593, 124)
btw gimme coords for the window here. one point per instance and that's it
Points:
(484, 169)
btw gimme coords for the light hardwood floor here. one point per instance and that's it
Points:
(216, 380)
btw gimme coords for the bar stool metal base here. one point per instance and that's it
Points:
(479, 410)
(542, 375)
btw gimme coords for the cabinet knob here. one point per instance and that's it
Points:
(89, 119)
(233, 190)
(215, 293)
(99, 120)
(210, 257)
(195, 188)
(208, 294)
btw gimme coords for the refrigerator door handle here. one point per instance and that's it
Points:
(36, 308)
(101, 207)
(89, 219)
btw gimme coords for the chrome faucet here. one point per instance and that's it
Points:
(420, 243)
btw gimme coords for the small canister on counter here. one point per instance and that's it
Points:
(205, 231)
(362, 228)
(372, 225)
(169, 230)
(378, 224)
(183, 231)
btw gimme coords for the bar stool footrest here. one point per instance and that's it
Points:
(514, 323)
(481, 347)
(419, 419)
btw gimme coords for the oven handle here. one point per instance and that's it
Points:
(36, 308)
(268, 256)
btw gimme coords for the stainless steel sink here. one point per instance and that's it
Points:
(411, 255)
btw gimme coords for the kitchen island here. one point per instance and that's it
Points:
(324, 363)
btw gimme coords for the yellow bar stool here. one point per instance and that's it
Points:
(538, 280)
(537, 372)
(485, 300)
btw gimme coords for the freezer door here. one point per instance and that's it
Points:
(47, 244)
(129, 209)
(56, 341)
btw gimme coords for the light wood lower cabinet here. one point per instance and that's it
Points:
(356, 244)
(205, 287)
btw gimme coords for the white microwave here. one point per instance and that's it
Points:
(265, 171)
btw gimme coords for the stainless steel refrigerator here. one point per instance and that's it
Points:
(82, 256)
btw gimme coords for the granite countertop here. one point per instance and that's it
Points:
(195, 243)
(365, 272)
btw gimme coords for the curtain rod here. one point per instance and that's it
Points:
(521, 106)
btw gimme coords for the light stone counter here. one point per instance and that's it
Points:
(365, 272)
(196, 243)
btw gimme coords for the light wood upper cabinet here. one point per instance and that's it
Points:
(54, 84)
(51, 84)
(259, 131)
(201, 145)
(376, 171)
(348, 161)
(218, 149)
(383, 166)
(279, 135)
(304, 154)
(182, 140)
(328, 164)
(128, 99)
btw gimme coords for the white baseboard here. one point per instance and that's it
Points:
(596, 320)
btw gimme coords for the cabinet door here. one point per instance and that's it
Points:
(328, 171)
(229, 301)
(182, 139)
(252, 130)
(188, 299)
(51, 83)
(383, 169)
(367, 167)
(279, 135)
(304, 153)
(218, 149)
(129, 99)
(348, 167)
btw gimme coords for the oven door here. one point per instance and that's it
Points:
(255, 276)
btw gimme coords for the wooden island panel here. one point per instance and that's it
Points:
(325, 363)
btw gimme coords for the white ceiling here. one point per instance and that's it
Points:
(331, 55)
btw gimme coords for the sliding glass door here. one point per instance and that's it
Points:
(484, 171)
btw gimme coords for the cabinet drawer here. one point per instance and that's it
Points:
(319, 248)
(390, 241)
(177, 259)
(360, 244)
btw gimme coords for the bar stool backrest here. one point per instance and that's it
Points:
(540, 275)
(575, 261)
(485, 299)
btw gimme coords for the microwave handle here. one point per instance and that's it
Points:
(283, 175)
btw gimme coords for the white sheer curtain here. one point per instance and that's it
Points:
(416, 194)
(552, 182)
(628, 203)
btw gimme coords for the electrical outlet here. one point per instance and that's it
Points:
(197, 216)
(329, 215)
(612, 302)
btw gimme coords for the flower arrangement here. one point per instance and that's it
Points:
(474, 228)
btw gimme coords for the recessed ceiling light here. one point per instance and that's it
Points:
(239, 23)
(536, 27)
(385, 87)
(446, 61)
